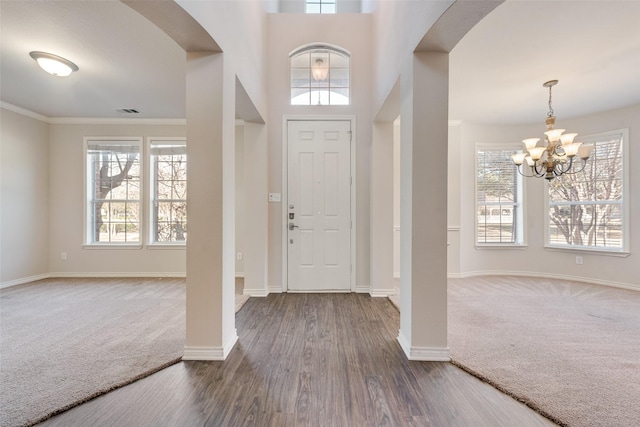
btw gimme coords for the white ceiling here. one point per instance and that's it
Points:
(124, 60)
(591, 47)
(497, 70)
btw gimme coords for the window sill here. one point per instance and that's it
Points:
(594, 251)
(181, 246)
(112, 246)
(502, 246)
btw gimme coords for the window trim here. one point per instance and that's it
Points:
(621, 252)
(320, 4)
(149, 226)
(522, 244)
(87, 223)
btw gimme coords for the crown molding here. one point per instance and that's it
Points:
(114, 121)
(91, 120)
(23, 111)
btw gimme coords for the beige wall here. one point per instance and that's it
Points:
(351, 32)
(398, 27)
(239, 28)
(240, 202)
(535, 259)
(66, 178)
(39, 222)
(24, 203)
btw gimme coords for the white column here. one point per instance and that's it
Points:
(381, 210)
(256, 226)
(210, 327)
(423, 226)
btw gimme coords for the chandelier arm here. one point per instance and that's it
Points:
(538, 173)
(519, 169)
(584, 164)
(562, 170)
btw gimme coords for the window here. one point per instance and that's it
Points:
(321, 6)
(587, 209)
(499, 213)
(319, 76)
(168, 190)
(113, 190)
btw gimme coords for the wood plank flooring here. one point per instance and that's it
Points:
(308, 360)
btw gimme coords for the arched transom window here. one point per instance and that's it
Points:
(319, 76)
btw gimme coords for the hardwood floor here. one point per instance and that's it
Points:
(308, 360)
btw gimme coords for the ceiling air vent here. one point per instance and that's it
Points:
(128, 110)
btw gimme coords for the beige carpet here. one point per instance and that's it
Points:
(570, 350)
(64, 341)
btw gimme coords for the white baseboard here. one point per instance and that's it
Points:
(67, 274)
(110, 274)
(423, 354)
(382, 293)
(275, 289)
(590, 280)
(23, 280)
(363, 289)
(210, 353)
(255, 292)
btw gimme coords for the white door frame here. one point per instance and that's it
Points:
(285, 188)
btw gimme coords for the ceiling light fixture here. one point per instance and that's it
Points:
(54, 64)
(557, 157)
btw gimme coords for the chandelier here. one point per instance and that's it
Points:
(557, 157)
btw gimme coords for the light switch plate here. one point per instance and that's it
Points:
(274, 197)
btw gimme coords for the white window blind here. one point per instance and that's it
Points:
(498, 197)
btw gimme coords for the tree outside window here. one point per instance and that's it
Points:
(113, 180)
(586, 209)
(169, 191)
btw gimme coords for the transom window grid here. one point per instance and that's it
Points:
(169, 192)
(587, 209)
(113, 171)
(320, 6)
(320, 76)
(499, 213)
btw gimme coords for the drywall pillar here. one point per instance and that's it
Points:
(423, 207)
(210, 323)
(255, 223)
(381, 210)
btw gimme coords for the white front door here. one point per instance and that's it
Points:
(319, 206)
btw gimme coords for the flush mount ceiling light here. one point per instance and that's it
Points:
(54, 64)
(557, 156)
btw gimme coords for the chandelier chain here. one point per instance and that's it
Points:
(550, 113)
